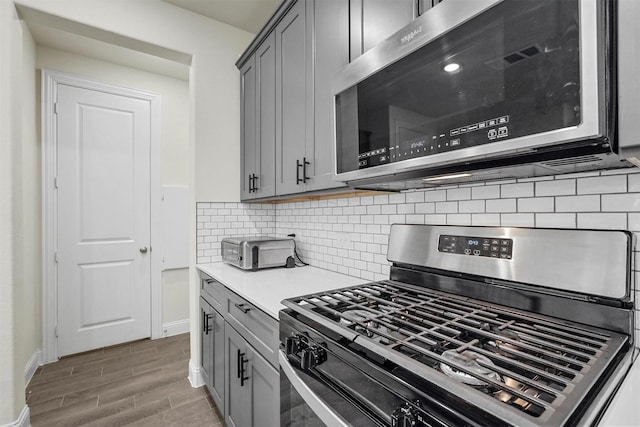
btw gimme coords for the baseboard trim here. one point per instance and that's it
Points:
(32, 365)
(178, 327)
(195, 376)
(24, 420)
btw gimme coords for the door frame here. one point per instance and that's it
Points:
(50, 80)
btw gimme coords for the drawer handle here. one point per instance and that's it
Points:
(210, 281)
(243, 308)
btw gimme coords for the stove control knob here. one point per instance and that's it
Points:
(312, 357)
(292, 344)
(404, 416)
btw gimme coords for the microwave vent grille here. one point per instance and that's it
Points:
(571, 161)
(514, 57)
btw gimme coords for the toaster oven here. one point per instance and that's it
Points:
(254, 253)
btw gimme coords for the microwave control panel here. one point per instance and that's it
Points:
(490, 247)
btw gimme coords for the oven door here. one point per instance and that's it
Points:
(471, 80)
(300, 401)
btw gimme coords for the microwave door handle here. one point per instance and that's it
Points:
(324, 412)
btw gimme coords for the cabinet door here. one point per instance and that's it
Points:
(372, 21)
(265, 58)
(206, 333)
(248, 123)
(264, 389)
(212, 334)
(254, 401)
(238, 397)
(218, 370)
(331, 54)
(291, 98)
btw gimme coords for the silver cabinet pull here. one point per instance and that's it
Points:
(143, 250)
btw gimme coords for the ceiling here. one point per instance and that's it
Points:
(249, 15)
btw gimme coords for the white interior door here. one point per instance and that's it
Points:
(103, 212)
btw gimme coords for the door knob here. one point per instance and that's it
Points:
(143, 249)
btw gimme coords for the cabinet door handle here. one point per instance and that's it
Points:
(241, 367)
(243, 308)
(298, 165)
(304, 170)
(251, 190)
(255, 186)
(207, 327)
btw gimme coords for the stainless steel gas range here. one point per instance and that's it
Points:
(476, 326)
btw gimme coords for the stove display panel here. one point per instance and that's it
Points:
(476, 246)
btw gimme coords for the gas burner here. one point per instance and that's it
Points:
(360, 317)
(468, 359)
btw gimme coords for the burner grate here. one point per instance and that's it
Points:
(534, 363)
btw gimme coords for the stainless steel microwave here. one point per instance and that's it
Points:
(489, 89)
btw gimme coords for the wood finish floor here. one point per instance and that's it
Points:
(143, 383)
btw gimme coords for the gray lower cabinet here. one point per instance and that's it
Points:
(212, 334)
(252, 384)
(239, 357)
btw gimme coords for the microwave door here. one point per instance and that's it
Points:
(506, 79)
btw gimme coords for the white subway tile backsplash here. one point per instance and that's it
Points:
(556, 220)
(459, 194)
(406, 208)
(629, 202)
(560, 187)
(485, 219)
(517, 220)
(415, 197)
(459, 219)
(426, 208)
(537, 204)
(604, 221)
(397, 198)
(435, 196)
(447, 207)
(486, 192)
(578, 203)
(633, 224)
(471, 206)
(501, 205)
(634, 182)
(516, 190)
(350, 235)
(602, 184)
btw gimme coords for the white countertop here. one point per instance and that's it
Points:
(623, 410)
(266, 288)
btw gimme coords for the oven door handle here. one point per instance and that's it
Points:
(321, 409)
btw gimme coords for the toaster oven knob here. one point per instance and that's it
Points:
(404, 416)
(312, 357)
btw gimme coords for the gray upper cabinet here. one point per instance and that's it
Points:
(258, 89)
(288, 107)
(292, 101)
(330, 56)
(372, 21)
(248, 122)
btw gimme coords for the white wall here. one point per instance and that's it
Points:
(174, 137)
(213, 154)
(18, 200)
